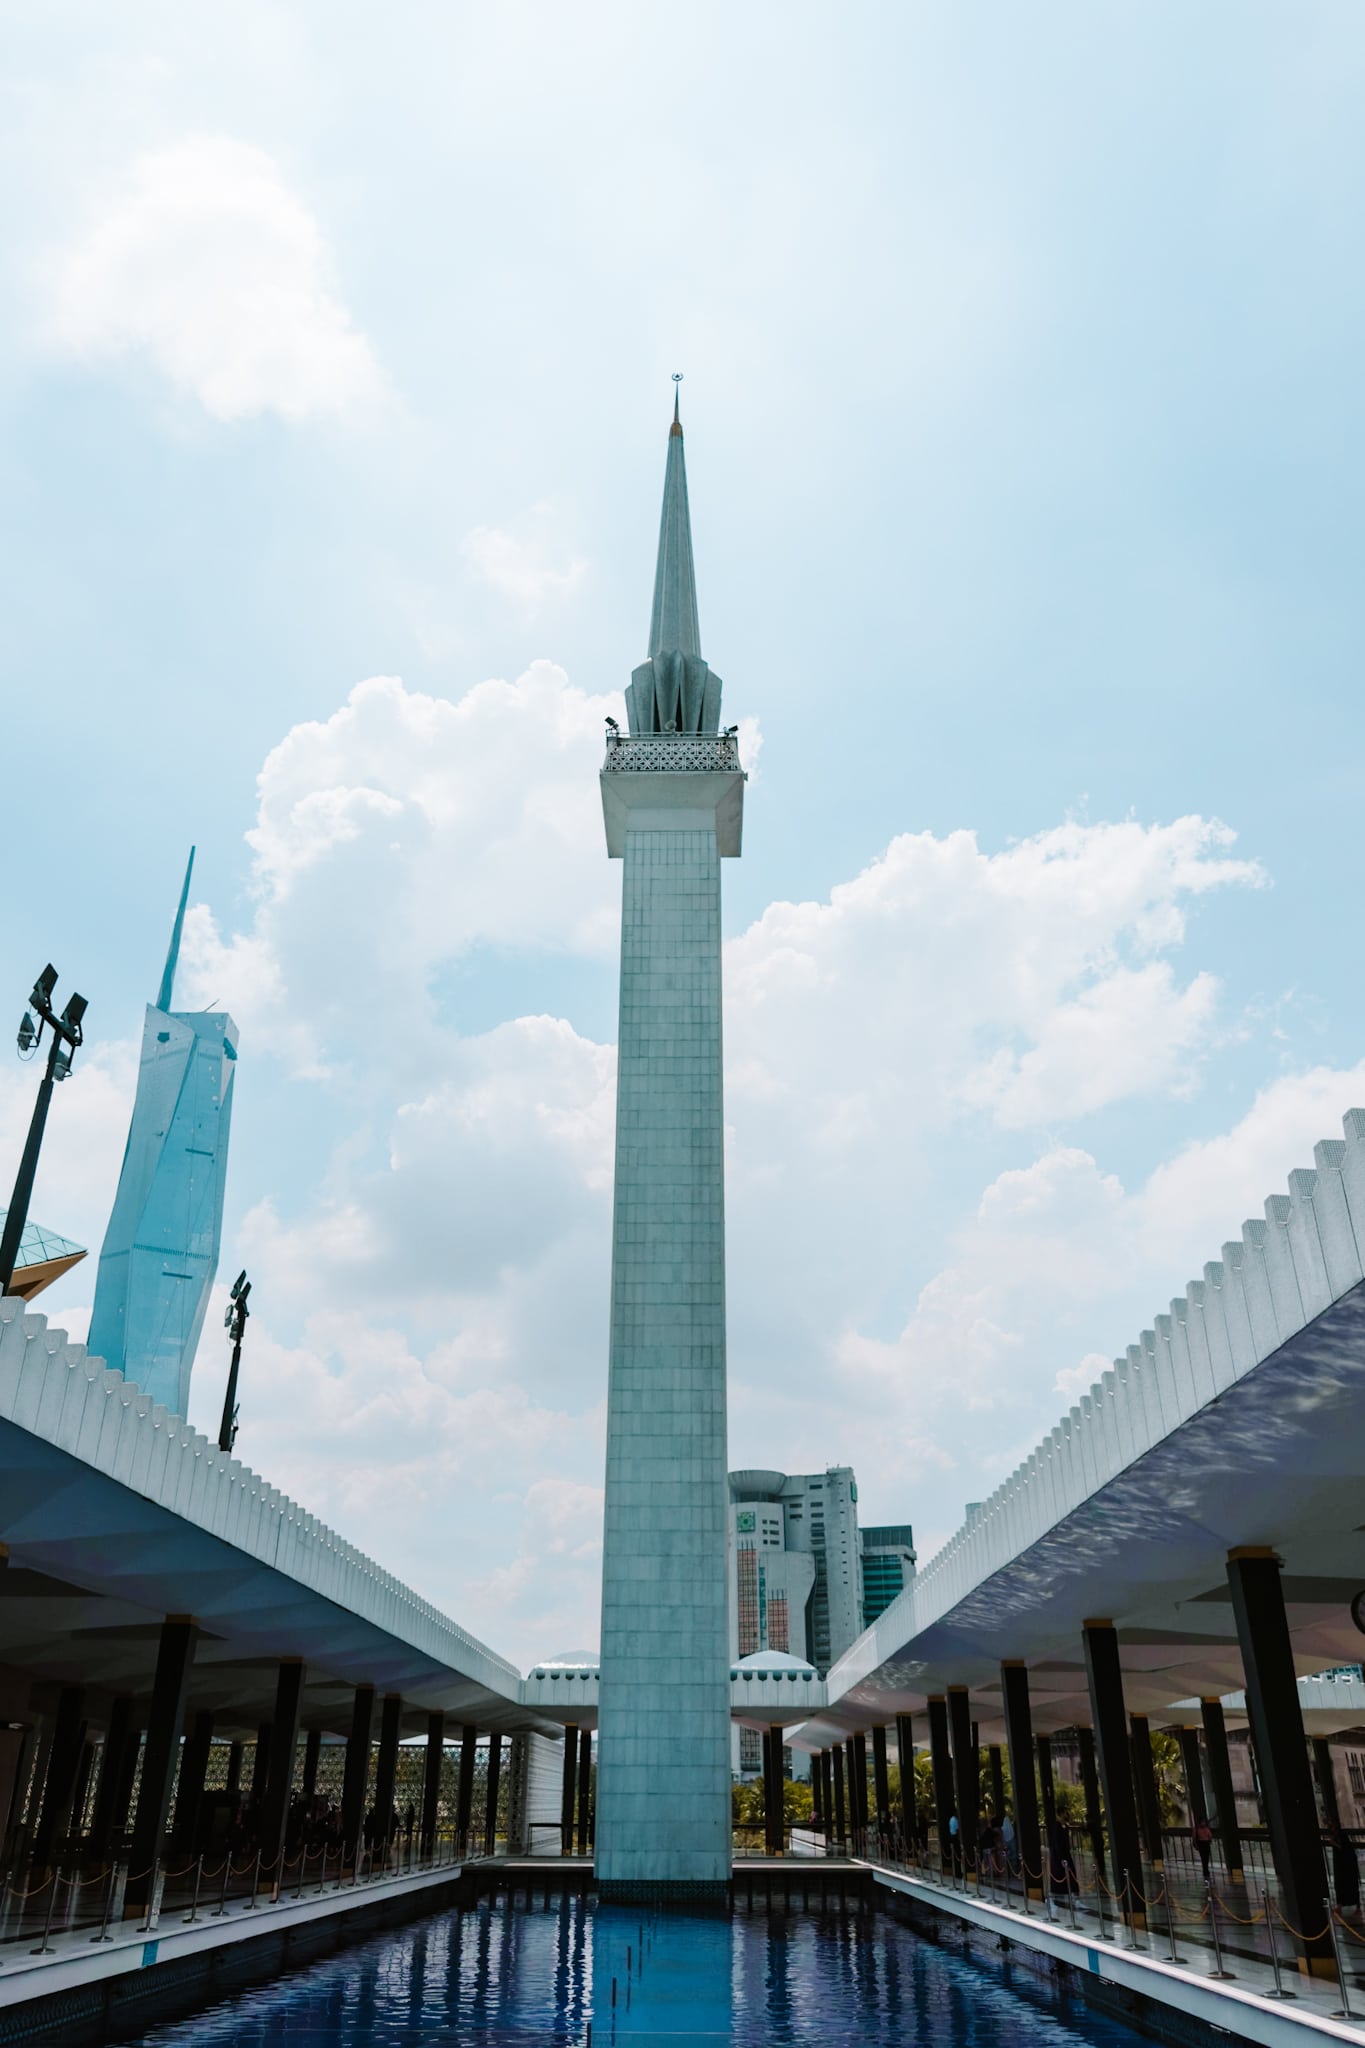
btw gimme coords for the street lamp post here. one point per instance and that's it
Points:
(66, 1036)
(235, 1324)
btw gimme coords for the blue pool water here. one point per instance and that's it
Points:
(500, 1978)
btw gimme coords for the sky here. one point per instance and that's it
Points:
(1021, 355)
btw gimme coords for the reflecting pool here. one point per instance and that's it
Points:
(490, 1975)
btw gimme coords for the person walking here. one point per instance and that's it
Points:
(1202, 1835)
(1345, 1871)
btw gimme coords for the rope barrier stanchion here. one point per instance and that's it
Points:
(1126, 1910)
(1217, 1970)
(1170, 1919)
(152, 1875)
(193, 1913)
(44, 1947)
(1279, 1991)
(250, 1907)
(1345, 2013)
(303, 1865)
(104, 1934)
(221, 1907)
(1099, 1904)
(1073, 1885)
(322, 1874)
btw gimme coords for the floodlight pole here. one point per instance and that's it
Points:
(236, 1325)
(64, 1032)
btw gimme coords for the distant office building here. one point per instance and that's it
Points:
(888, 1566)
(160, 1251)
(795, 1564)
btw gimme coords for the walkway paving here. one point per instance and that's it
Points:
(1246, 2001)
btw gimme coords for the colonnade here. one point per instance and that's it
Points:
(1116, 1768)
(175, 1755)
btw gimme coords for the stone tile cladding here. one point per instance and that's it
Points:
(663, 1809)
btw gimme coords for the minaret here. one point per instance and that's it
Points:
(672, 799)
(160, 1250)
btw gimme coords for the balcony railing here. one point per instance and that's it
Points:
(671, 752)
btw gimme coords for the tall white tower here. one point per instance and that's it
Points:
(673, 801)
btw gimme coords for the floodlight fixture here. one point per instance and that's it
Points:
(66, 1036)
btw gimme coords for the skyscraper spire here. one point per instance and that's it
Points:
(167, 990)
(673, 625)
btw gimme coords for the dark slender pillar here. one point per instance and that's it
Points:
(827, 1778)
(356, 1777)
(568, 1785)
(851, 1781)
(1327, 1784)
(1194, 1774)
(490, 1822)
(115, 1743)
(279, 1783)
(233, 1782)
(82, 1791)
(1019, 1736)
(1090, 1785)
(881, 1786)
(431, 1779)
(905, 1750)
(940, 1757)
(817, 1786)
(63, 1763)
(1047, 1786)
(386, 1768)
(773, 1817)
(194, 1763)
(860, 1772)
(464, 1790)
(1277, 1736)
(312, 1751)
(997, 1765)
(840, 1826)
(1220, 1784)
(966, 1777)
(1145, 1786)
(175, 1655)
(1105, 1675)
(127, 1777)
(584, 1786)
(260, 1765)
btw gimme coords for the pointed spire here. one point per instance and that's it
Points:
(167, 990)
(673, 624)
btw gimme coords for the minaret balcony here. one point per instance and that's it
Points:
(651, 781)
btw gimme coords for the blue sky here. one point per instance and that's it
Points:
(1024, 436)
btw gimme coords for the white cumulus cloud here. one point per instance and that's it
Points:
(940, 1024)
(522, 566)
(203, 259)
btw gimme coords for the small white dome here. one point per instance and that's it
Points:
(774, 1660)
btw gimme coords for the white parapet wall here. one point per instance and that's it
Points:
(536, 1799)
(1284, 1271)
(54, 1389)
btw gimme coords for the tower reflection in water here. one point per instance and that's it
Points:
(570, 1971)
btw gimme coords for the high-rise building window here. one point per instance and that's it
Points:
(746, 1566)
